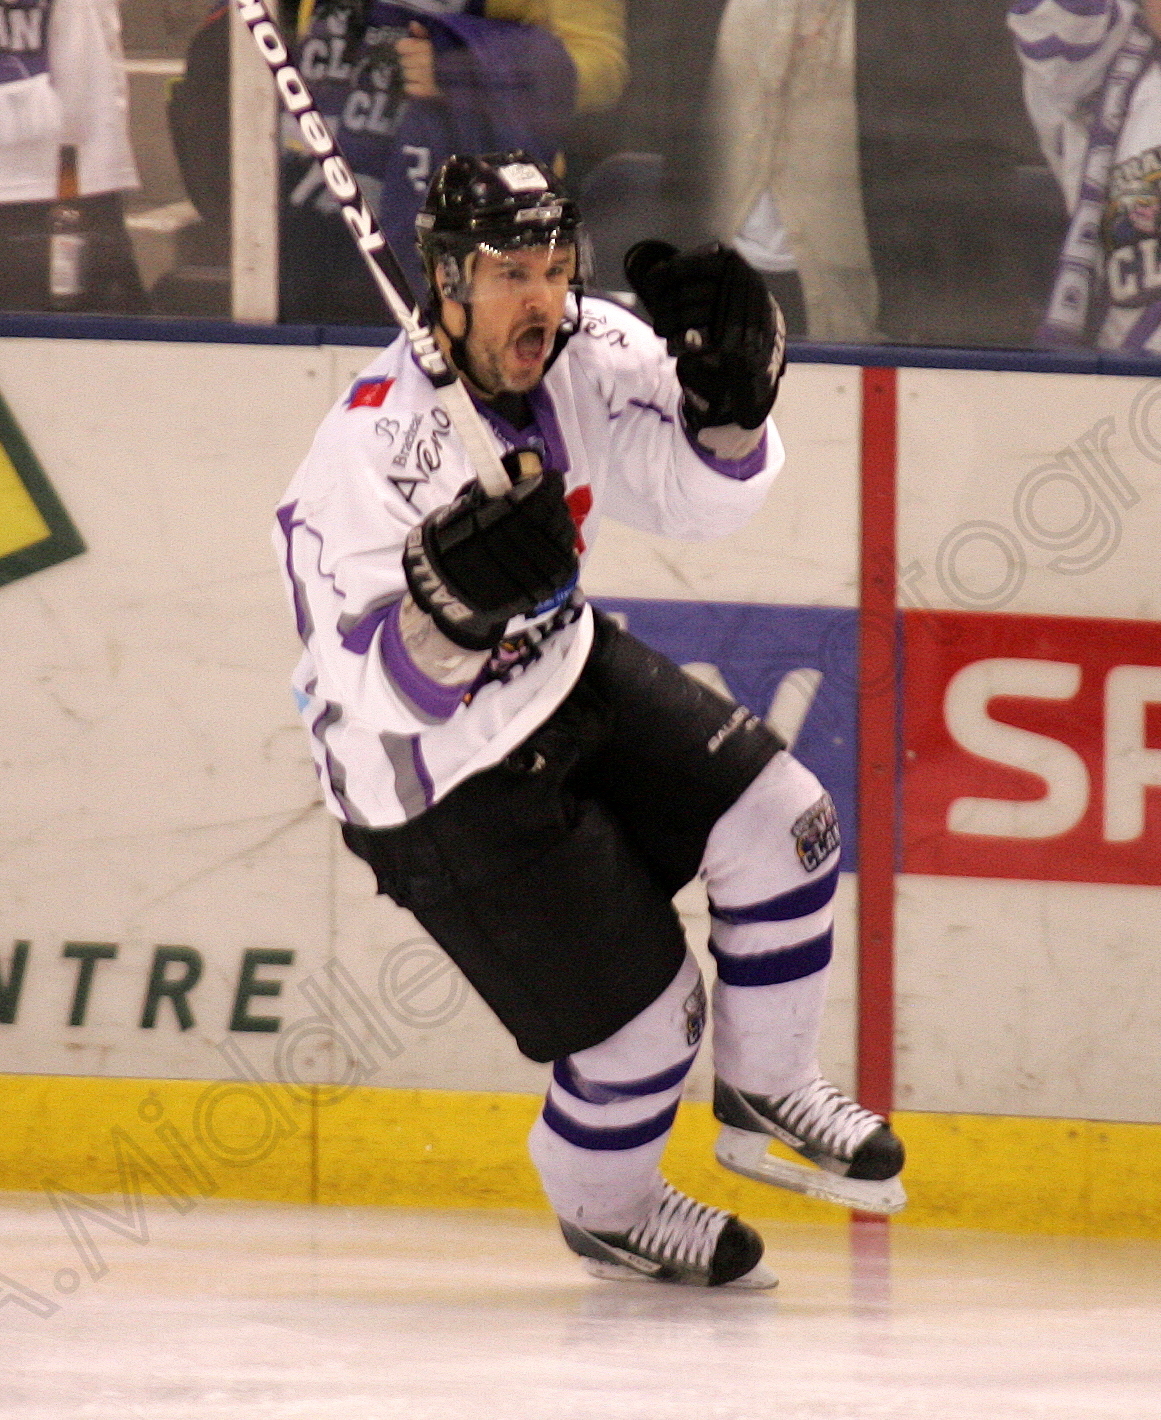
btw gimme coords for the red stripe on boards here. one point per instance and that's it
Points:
(878, 638)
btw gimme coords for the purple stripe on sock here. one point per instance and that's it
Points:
(738, 469)
(569, 1078)
(784, 908)
(630, 1137)
(770, 968)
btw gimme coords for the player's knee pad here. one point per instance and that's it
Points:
(779, 835)
(658, 1042)
(772, 869)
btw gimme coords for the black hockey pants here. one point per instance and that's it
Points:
(548, 878)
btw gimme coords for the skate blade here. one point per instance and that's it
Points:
(745, 1152)
(758, 1279)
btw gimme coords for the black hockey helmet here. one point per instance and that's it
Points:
(498, 202)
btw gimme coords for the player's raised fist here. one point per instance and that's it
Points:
(715, 315)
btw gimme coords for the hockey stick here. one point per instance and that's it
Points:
(374, 248)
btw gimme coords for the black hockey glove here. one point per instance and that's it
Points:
(479, 561)
(714, 313)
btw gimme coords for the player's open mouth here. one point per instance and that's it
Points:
(531, 345)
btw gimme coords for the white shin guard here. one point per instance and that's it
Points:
(609, 1111)
(771, 868)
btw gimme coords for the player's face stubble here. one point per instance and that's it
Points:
(518, 301)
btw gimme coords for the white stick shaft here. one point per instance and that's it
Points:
(374, 247)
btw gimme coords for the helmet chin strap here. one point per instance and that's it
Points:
(457, 344)
(566, 330)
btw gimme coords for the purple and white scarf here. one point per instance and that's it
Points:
(1081, 265)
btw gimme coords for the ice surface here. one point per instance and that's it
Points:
(247, 1310)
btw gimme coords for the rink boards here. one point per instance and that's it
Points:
(171, 885)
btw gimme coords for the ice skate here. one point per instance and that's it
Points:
(858, 1157)
(681, 1241)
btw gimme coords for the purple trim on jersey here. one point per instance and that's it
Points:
(285, 516)
(330, 715)
(507, 432)
(427, 695)
(811, 897)
(569, 1078)
(631, 1136)
(421, 772)
(738, 469)
(544, 426)
(25, 53)
(544, 413)
(655, 408)
(358, 639)
(1082, 7)
(1055, 48)
(771, 968)
(1142, 329)
(1073, 7)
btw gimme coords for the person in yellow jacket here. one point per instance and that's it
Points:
(592, 31)
(406, 83)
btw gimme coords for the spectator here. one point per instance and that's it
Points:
(1092, 84)
(65, 159)
(406, 87)
(199, 126)
(787, 189)
(942, 136)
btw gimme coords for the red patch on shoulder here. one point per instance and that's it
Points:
(580, 505)
(368, 394)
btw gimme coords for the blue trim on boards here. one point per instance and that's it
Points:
(46, 326)
(924, 357)
(43, 326)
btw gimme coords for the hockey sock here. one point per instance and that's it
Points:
(609, 1111)
(771, 867)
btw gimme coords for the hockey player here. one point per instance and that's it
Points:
(1092, 84)
(532, 782)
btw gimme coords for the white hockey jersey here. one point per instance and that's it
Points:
(1093, 91)
(62, 81)
(388, 740)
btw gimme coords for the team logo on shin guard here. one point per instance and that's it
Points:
(694, 1006)
(816, 833)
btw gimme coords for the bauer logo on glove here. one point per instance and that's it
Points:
(479, 561)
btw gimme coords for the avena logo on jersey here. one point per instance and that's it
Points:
(35, 530)
(1032, 747)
